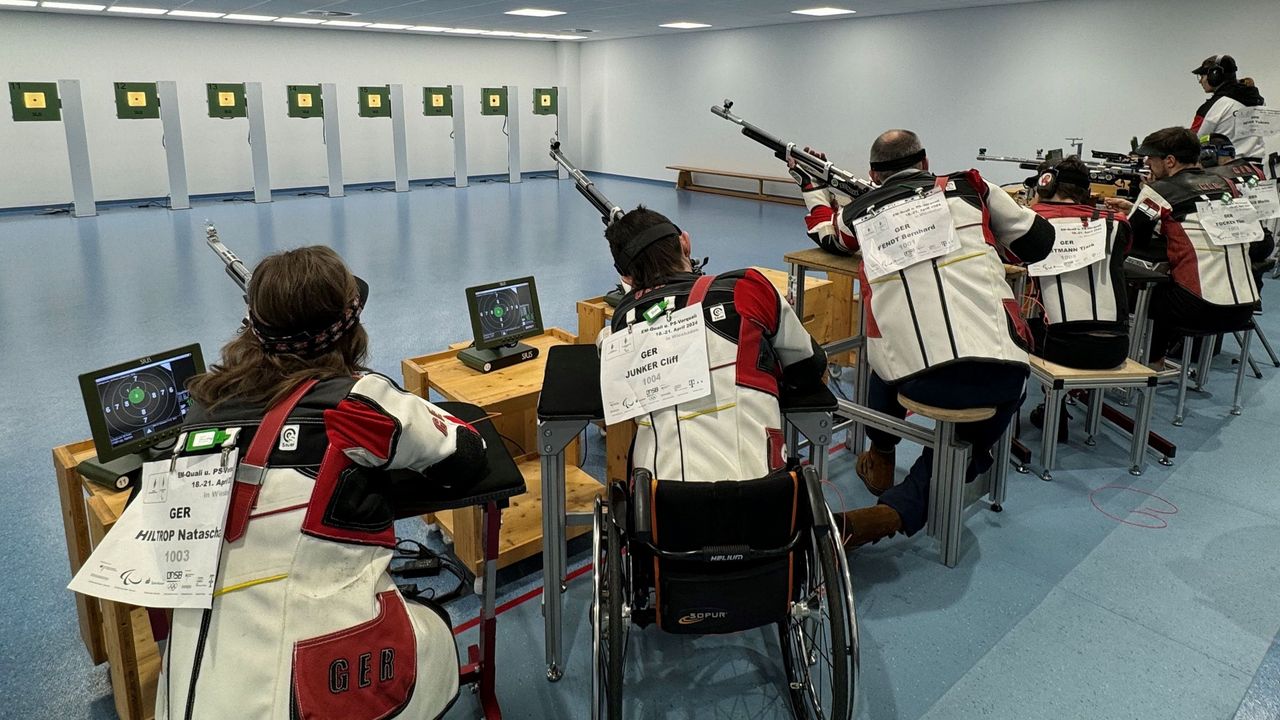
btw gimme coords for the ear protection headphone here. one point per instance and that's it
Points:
(1047, 183)
(1213, 148)
(1222, 70)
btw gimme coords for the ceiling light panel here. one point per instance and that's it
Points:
(535, 12)
(346, 24)
(71, 6)
(684, 25)
(300, 21)
(195, 14)
(249, 18)
(388, 26)
(823, 12)
(19, 3)
(136, 10)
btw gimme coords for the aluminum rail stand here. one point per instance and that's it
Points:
(399, 144)
(459, 138)
(175, 159)
(77, 149)
(480, 659)
(553, 437)
(513, 134)
(332, 138)
(258, 142)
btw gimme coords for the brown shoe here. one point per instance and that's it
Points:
(875, 468)
(870, 525)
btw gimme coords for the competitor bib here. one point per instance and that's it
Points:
(1261, 121)
(163, 551)
(1264, 198)
(1231, 223)
(653, 366)
(905, 233)
(1078, 243)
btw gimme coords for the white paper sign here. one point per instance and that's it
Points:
(652, 366)
(1261, 121)
(1264, 198)
(905, 233)
(1078, 243)
(163, 551)
(1232, 223)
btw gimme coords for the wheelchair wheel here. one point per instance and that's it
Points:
(608, 626)
(820, 638)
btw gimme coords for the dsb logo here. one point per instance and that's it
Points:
(340, 671)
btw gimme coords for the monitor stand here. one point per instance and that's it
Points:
(123, 471)
(497, 358)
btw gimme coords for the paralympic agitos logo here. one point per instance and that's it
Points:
(694, 617)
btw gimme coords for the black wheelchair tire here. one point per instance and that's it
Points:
(615, 642)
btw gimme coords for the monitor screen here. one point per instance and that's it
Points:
(504, 312)
(140, 403)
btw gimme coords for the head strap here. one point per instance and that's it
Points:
(899, 163)
(624, 255)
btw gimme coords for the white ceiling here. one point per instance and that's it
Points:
(607, 19)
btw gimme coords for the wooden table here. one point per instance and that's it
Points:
(513, 393)
(115, 633)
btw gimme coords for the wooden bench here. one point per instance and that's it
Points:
(684, 181)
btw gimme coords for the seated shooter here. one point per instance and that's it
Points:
(756, 346)
(305, 620)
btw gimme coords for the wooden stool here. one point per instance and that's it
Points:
(1202, 371)
(950, 463)
(1058, 380)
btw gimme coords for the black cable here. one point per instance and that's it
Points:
(513, 442)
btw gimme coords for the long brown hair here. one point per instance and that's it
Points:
(300, 289)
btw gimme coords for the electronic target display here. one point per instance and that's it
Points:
(137, 404)
(504, 312)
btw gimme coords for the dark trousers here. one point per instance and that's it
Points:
(1176, 312)
(961, 385)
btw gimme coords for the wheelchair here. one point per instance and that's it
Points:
(722, 557)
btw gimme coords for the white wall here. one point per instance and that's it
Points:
(127, 157)
(1012, 78)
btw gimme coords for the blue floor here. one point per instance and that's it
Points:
(1057, 610)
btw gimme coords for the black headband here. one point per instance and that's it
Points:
(1073, 176)
(624, 255)
(314, 341)
(898, 163)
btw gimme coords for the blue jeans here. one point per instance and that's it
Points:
(960, 385)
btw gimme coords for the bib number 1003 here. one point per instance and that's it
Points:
(177, 556)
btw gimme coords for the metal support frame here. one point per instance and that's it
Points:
(83, 204)
(816, 428)
(1205, 362)
(258, 142)
(332, 138)
(175, 158)
(513, 134)
(1056, 391)
(399, 144)
(479, 669)
(459, 138)
(1262, 338)
(553, 437)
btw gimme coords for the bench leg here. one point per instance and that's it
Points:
(1205, 362)
(1141, 426)
(1094, 419)
(1000, 470)
(1183, 372)
(1049, 443)
(1244, 353)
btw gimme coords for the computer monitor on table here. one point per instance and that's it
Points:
(137, 405)
(504, 312)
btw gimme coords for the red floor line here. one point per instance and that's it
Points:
(520, 599)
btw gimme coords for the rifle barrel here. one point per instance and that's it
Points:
(608, 211)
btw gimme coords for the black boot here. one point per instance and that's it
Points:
(1037, 420)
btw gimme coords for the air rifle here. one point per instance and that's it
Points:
(1108, 172)
(608, 211)
(839, 180)
(236, 269)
